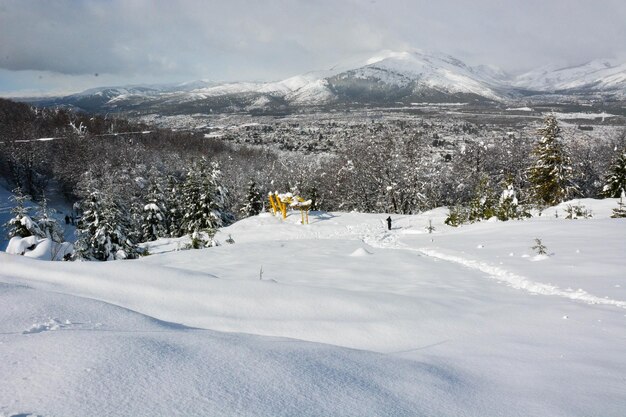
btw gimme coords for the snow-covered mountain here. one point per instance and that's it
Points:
(598, 75)
(386, 78)
(418, 75)
(390, 76)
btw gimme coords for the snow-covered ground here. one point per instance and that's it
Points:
(338, 317)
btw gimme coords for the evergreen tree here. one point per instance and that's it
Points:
(615, 180)
(550, 176)
(195, 202)
(172, 202)
(21, 224)
(457, 216)
(48, 225)
(154, 221)
(203, 200)
(220, 197)
(313, 195)
(483, 205)
(132, 213)
(254, 203)
(103, 231)
(620, 211)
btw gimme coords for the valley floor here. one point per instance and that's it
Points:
(339, 317)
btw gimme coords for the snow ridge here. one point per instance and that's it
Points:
(601, 75)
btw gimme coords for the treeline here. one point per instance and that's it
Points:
(140, 174)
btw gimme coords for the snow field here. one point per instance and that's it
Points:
(348, 319)
(115, 362)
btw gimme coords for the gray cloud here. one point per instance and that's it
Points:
(239, 39)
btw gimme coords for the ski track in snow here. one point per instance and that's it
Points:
(390, 241)
(519, 282)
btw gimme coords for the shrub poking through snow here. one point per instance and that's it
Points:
(200, 240)
(457, 216)
(577, 211)
(485, 206)
(539, 247)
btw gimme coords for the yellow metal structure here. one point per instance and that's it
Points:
(281, 201)
(272, 203)
(284, 200)
(304, 206)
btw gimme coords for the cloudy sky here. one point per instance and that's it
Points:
(61, 46)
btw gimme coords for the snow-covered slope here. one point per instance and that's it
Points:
(418, 72)
(599, 75)
(302, 89)
(338, 317)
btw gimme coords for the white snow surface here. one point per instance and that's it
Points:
(44, 249)
(597, 74)
(348, 318)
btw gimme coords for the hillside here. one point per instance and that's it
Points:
(338, 317)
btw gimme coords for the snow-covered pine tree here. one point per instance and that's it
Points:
(102, 230)
(620, 211)
(550, 176)
(220, 197)
(172, 201)
(48, 225)
(198, 202)
(154, 221)
(86, 246)
(204, 201)
(195, 202)
(254, 203)
(21, 224)
(615, 181)
(132, 212)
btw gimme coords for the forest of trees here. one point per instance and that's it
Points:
(138, 183)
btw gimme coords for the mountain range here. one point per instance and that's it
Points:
(385, 79)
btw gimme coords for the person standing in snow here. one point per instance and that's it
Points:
(389, 223)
